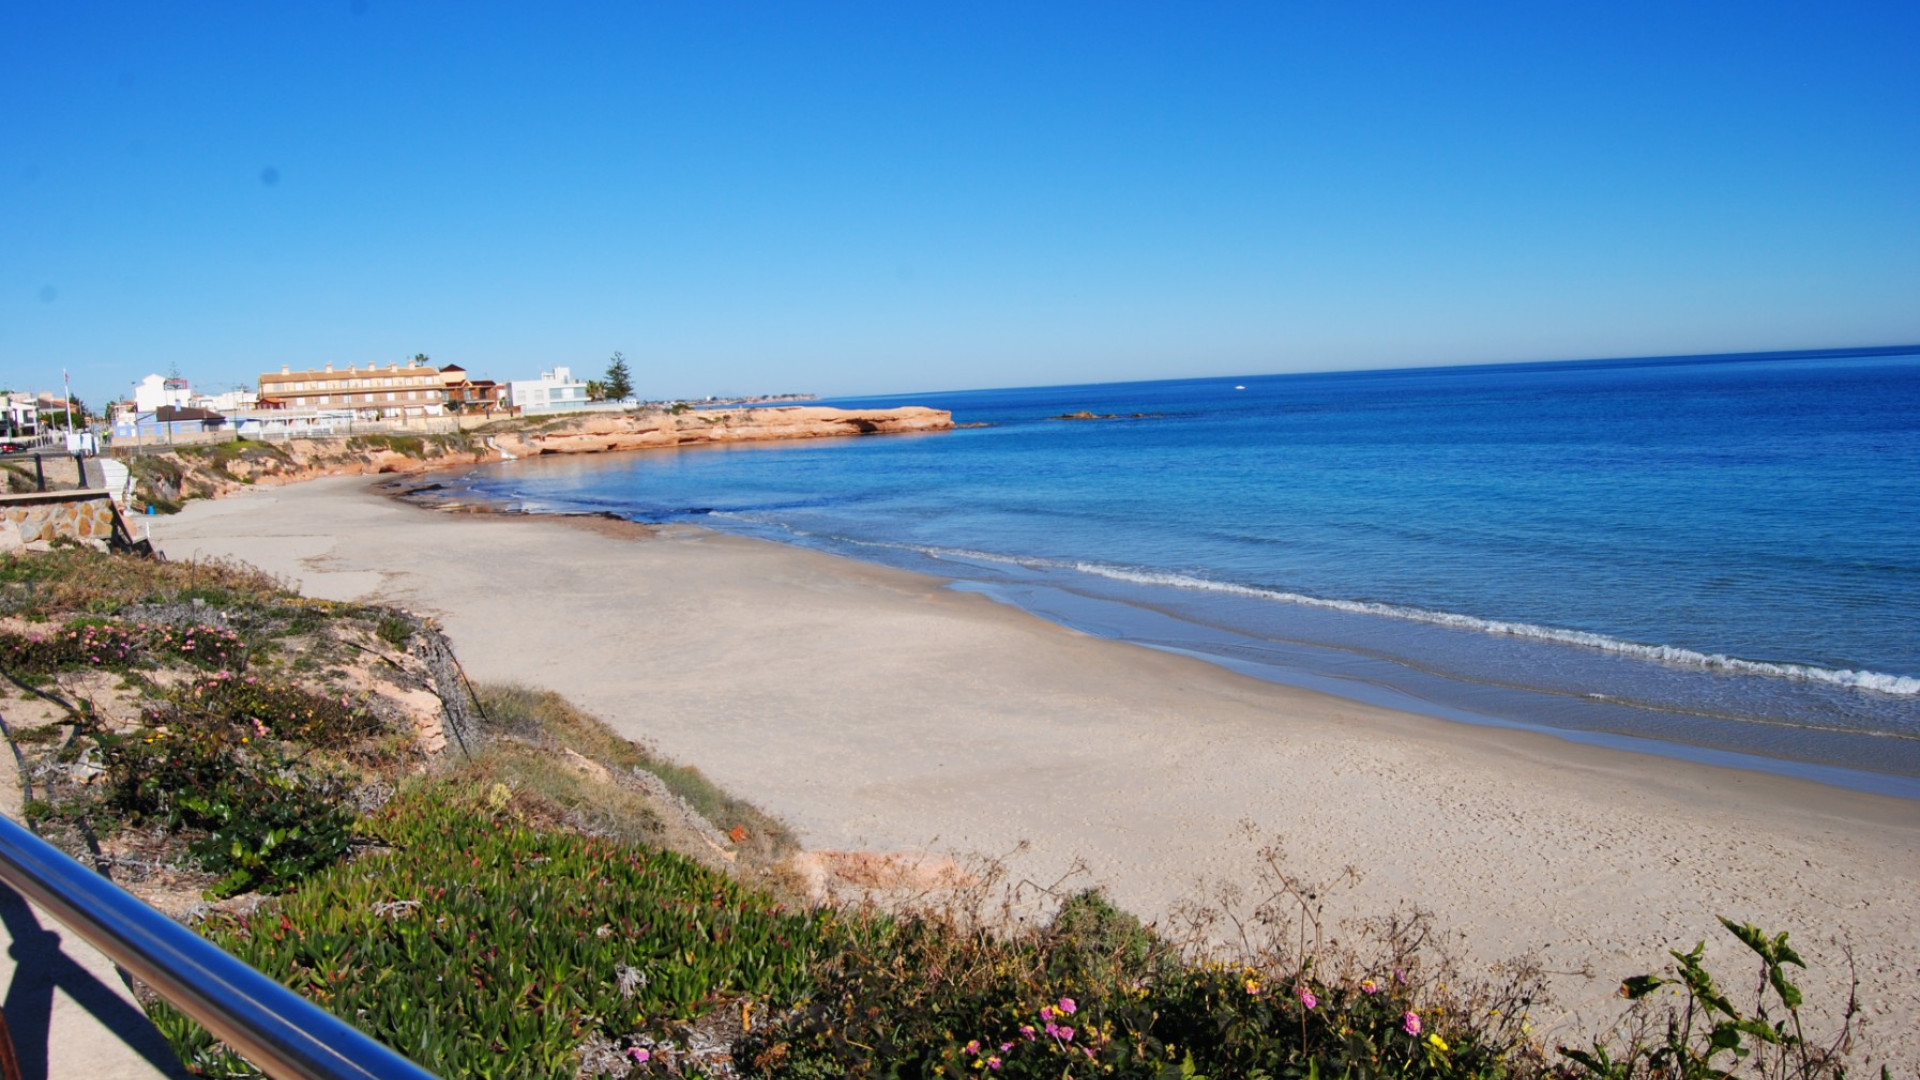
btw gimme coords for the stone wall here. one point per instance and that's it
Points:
(87, 516)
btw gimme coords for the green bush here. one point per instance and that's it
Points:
(282, 710)
(1096, 993)
(114, 646)
(212, 647)
(1707, 1036)
(83, 643)
(480, 947)
(256, 815)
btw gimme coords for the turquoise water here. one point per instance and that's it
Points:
(1717, 557)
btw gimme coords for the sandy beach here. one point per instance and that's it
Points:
(874, 709)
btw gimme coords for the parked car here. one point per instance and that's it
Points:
(13, 448)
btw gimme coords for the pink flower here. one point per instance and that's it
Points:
(993, 1063)
(972, 1048)
(1065, 1034)
(1368, 986)
(1046, 1012)
(1307, 998)
(640, 1057)
(1411, 1023)
(1026, 1032)
(1067, 1006)
(1053, 1029)
(1004, 1047)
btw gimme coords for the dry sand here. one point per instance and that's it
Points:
(876, 709)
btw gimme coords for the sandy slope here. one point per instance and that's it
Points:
(876, 709)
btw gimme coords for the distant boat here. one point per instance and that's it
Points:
(1239, 388)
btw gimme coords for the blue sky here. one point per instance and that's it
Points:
(876, 198)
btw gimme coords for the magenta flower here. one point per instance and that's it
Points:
(1046, 1012)
(639, 1056)
(1026, 1032)
(1067, 1006)
(1066, 1034)
(1368, 986)
(1307, 998)
(1004, 1047)
(1411, 1023)
(972, 1049)
(993, 1063)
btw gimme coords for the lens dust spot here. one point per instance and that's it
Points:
(270, 176)
(48, 294)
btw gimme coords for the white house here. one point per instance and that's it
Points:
(18, 414)
(228, 403)
(154, 391)
(553, 391)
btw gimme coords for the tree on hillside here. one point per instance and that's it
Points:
(619, 381)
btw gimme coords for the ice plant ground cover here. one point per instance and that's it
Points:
(515, 901)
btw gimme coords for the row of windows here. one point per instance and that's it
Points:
(348, 399)
(355, 384)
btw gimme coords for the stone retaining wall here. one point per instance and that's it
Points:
(42, 516)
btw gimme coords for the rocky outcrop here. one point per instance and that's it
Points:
(598, 434)
(212, 470)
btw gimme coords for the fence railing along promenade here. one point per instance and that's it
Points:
(281, 1033)
(50, 468)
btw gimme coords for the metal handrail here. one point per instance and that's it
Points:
(280, 1032)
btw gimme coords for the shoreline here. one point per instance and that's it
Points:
(877, 708)
(1839, 758)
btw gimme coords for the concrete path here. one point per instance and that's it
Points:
(69, 1011)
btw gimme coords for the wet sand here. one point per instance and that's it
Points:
(876, 709)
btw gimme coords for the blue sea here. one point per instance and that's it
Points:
(1716, 557)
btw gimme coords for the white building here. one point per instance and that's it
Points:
(226, 404)
(18, 415)
(553, 391)
(154, 391)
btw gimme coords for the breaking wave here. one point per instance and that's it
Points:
(1876, 682)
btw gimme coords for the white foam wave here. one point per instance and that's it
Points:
(1899, 685)
(1896, 685)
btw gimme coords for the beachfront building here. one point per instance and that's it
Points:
(469, 395)
(165, 424)
(394, 392)
(156, 392)
(227, 403)
(19, 415)
(553, 391)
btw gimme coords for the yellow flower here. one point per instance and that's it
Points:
(1439, 1043)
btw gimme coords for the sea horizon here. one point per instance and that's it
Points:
(1694, 556)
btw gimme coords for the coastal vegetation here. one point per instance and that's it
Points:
(494, 883)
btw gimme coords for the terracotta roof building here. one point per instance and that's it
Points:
(391, 392)
(471, 395)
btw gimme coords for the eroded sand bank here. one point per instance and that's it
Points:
(876, 709)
